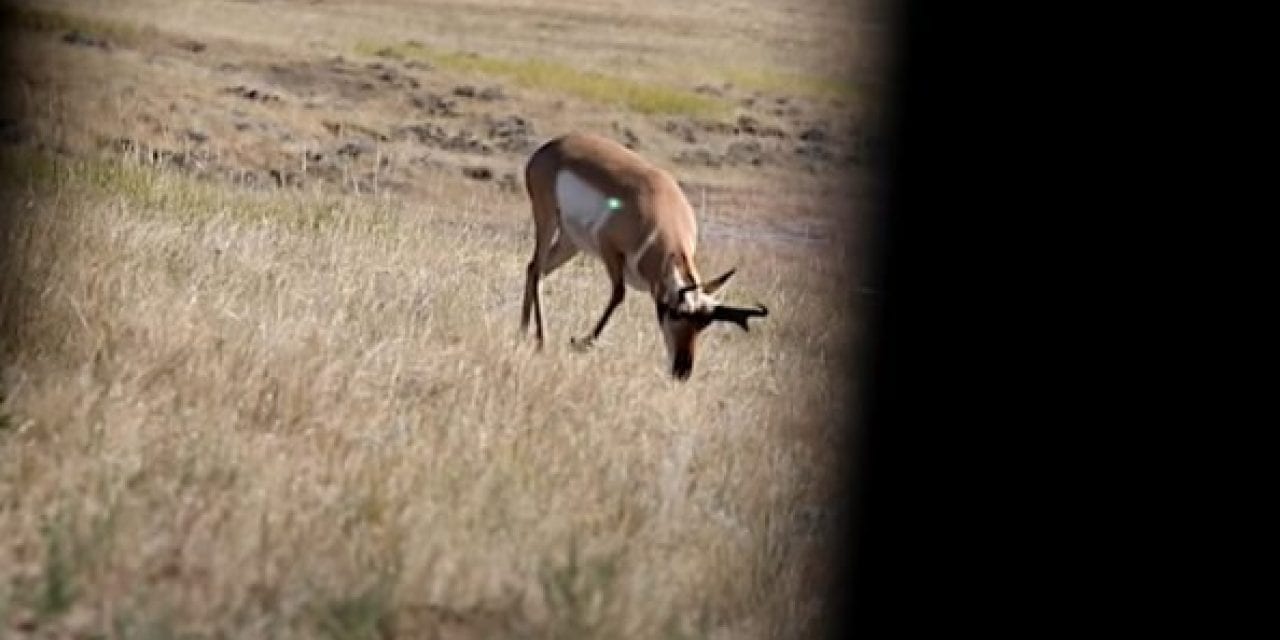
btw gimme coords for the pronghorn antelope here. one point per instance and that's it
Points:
(592, 194)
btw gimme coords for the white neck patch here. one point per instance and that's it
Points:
(634, 277)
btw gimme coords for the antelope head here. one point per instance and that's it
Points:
(685, 312)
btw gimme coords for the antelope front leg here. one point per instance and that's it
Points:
(614, 266)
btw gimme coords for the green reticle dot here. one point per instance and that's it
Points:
(614, 204)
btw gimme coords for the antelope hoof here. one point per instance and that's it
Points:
(581, 344)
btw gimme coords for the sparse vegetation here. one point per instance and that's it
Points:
(649, 99)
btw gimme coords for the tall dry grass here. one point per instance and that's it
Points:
(295, 415)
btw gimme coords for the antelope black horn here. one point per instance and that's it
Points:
(739, 315)
(712, 287)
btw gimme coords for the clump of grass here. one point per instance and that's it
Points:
(366, 615)
(579, 589)
(72, 543)
(6, 422)
(643, 98)
(57, 588)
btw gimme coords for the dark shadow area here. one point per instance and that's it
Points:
(959, 374)
(14, 131)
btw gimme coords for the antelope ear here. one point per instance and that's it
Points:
(710, 288)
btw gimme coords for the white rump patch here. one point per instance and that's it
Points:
(583, 210)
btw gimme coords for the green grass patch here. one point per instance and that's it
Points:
(58, 589)
(41, 174)
(33, 19)
(579, 589)
(73, 545)
(792, 84)
(6, 422)
(552, 76)
(366, 615)
(163, 191)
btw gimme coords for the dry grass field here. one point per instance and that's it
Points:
(261, 275)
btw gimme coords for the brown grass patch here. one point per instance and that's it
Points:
(290, 414)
